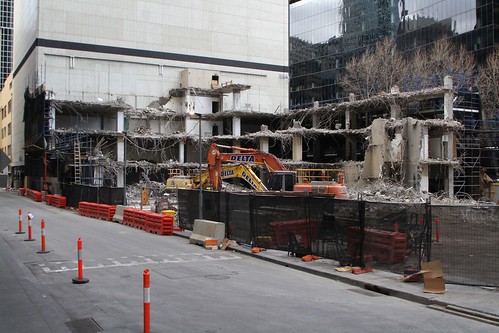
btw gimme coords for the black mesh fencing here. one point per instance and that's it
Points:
(396, 235)
(75, 193)
(466, 241)
(391, 236)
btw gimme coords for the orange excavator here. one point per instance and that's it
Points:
(280, 177)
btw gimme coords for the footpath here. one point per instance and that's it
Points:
(474, 302)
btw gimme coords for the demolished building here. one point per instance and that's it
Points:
(89, 148)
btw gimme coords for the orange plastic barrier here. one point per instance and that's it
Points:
(96, 211)
(48, 198)
(34, 195)
(58, 201)
(151, 222)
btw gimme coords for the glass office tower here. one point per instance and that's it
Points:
(326, 34)
(6, 22)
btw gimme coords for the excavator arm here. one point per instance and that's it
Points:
(241, 171)
(242, 156)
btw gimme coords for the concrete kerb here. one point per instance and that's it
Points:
(358, 281)
(340, 278)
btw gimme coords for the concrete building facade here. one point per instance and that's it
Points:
(6, 134)
(83, 56)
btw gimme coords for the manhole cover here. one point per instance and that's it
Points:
(86, 325)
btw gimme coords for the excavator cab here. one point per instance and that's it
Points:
(281, 180)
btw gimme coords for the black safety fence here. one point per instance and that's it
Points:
(75, 193)
(391, 236)
(466, 241)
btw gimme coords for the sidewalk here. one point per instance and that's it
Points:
(478, 303)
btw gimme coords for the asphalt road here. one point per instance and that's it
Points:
(192, 289)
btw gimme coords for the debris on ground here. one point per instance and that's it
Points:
(309, 257)
(257, 249)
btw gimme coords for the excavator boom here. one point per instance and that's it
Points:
(242, 156)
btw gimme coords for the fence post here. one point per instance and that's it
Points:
(20, 222)
(362, 222)
(147, 301)
(252, 221)
(429, 230)
(43, 239)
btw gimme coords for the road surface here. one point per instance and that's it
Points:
(192, 289)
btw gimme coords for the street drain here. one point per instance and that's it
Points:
(365, 292)
(216, 277)
(86, 325)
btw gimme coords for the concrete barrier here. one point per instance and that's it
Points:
(205, 229)
(118, 214)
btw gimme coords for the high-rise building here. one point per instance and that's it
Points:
(6, 29)
(325, 34)
(79, 66)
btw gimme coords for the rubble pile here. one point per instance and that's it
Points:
(382, 190)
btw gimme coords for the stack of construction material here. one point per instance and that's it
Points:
(383, 246)
(306, 229)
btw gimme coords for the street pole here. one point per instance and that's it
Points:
(200, 170)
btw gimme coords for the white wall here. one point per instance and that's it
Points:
(25, 26)
(251, 33)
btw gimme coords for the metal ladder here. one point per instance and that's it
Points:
(77, 160)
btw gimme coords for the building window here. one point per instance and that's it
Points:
(9, 130)
(9, 150)
(215, 106)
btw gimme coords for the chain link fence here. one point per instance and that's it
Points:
(466, 240)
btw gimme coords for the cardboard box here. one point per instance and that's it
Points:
(433, 277)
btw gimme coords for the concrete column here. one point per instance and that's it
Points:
(424, 184)
(236, 100)
(448, 99)
(186, 103)
(264, 141)
(395, 111)
(236, 126)
(120, 121)
(264, 144)
(395, 108)
(448, 154)
(181, 151)
(297, 147)
(315, 116)
(375, 153)
(347, 119)
(424, 153)
(120, 157)
(450, 181)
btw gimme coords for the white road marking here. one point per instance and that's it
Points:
(186, 258)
